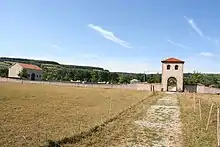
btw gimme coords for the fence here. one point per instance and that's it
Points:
(139, 86)
(144, 87)
(201, 89)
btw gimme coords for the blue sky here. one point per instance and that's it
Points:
(118, 35)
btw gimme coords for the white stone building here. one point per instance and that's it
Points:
(172, 69)
(34, 72)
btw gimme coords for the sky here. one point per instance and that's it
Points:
(118, 35)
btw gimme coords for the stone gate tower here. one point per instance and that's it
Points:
(172, 68)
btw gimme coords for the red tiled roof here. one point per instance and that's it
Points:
(172, 60)
(29, 66)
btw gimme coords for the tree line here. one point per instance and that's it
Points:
(73, 74)
(94, 76)
(42, 63)
(205, 79)
(3, 72)
(59, 72)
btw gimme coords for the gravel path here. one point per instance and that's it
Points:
(154, 122)
(160, 126)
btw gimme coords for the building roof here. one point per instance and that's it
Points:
(172, 60)
(29, 66)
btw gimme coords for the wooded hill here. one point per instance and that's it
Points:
(42, 63)
(53, 71)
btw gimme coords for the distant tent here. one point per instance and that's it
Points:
(134, 81)
(200, 84)
(212, 85)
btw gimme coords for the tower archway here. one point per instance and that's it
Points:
(172, 84)
(33, 76)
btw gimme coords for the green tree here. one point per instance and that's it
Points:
(71, 75)
(114, 78)
(141, 77)
(3, 72)
(78, 75)
(87, 76)
(150, 78)
(103, 76)
(95, 76)
(157, 78)
(124, 79)
(23, 74)
(196, 78)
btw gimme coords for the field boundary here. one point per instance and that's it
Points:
(138, 86)
(95, 129)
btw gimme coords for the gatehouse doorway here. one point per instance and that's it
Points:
(172, 84)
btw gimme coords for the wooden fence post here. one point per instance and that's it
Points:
(210, 112)
(218, 141)
(194, 102)
(200, 111)
(110, 108)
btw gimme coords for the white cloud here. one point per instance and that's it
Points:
(179, 45)
(199, 31)
(213, 40)
(110, 36)
(125, 66)
(194, 26)
(55, 46)
(202, 64)
(206, 54)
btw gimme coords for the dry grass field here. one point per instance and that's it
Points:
(194, 129)
(31, 114)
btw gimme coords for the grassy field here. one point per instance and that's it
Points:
(194, 129)
(4, 64)
(31, 114)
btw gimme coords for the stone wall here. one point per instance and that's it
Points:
(190, 88)
(144, 87)
(201, 89)
(140, 86)
(204, 89)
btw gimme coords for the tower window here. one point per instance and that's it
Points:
(176, 67)
(168, 67)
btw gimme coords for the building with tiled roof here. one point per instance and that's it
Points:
(34, 72)
(172, 74)
(172, 60)
(30, 66)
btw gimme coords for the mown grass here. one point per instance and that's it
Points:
(32, 114)
(194, 130)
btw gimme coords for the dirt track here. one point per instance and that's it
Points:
(161, 123)
(152, 122)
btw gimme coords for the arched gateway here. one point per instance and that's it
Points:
(172, 74)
